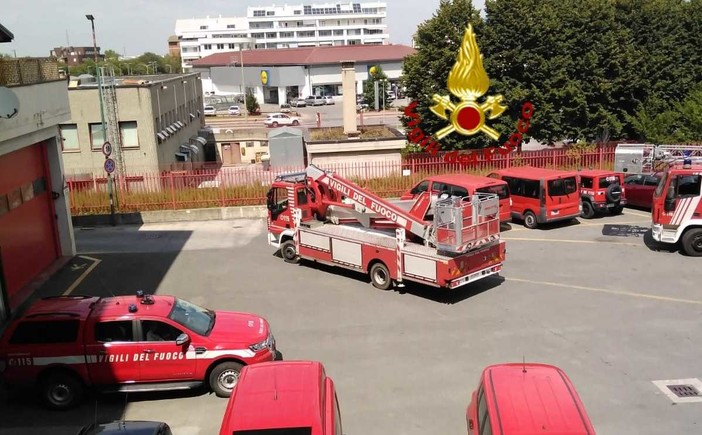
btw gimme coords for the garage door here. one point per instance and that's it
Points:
(28, 243)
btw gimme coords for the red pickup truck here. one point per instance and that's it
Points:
(65, 344)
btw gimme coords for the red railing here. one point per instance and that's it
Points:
(248, 185)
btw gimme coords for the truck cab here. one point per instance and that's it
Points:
(677, 212)
(298, 398)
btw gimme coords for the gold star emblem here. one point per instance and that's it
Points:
(468, 81)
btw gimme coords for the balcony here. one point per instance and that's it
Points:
(29, 71)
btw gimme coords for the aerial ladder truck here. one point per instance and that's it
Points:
(318, 215)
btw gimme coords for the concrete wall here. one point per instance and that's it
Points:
(153, 107)
(256, 137)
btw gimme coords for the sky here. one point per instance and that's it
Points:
(132, 27)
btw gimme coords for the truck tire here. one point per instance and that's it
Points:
(530, 220)
(588, 210)
(288, 251)
(613, 193)
(692, 242)
(224, 378)
(617, 209)
(380, 276)
(61, 390)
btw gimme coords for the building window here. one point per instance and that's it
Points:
(97, 138)
(231, 26)
(271, 35)
(203, 27)
(269, 13)
(129, 134)
(207, 46)
(69, 137)
(231, 46)
(220, 46)
(259, 13)
(249, 144)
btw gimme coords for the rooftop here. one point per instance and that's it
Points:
(309, 55)
(5, 35)
(88, 81)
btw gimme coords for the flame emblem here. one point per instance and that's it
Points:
(468, 81)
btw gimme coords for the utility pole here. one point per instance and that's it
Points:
(110, 185)
(243, 85)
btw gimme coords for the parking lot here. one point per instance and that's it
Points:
(593, 298)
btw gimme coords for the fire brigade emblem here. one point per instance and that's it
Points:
(468, 81)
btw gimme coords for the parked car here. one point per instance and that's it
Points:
(285, 108)
(640, 188)
(526, 398)
(601, 192)
(234, 110)
(463, 185)
(210, 111)
(329, 100)
(278, 119)
(297, 396)
(64, 344)
(541, 195)
(315, 100)
(298, 102)
(125, 427)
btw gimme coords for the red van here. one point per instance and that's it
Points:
(526, 398)
(541, 195)
(463, 185)
(297, 396)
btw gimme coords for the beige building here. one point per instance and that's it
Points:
(160, 121)
(241, 146)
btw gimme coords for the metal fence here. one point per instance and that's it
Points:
(248, 185)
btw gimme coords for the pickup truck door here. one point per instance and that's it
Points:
(110, 352)
(160, 358)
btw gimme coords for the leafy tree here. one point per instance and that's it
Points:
(251, 102)
(379, 76)
(682, 123)
(425, 73)
(147, 63)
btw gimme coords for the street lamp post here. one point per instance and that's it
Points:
(243, 85)
(91, 18)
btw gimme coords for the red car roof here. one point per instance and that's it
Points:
(533, 173)
(465, 179)
(289, 391)
(597, 172)
(542, 400)
(77, 306)
(119, 306)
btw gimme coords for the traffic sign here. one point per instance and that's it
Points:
(109, 166)
(107, 149)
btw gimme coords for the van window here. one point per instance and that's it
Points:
(605, 182)
(421, 187)
(483, 416)
(458, 191)
(562, 186)
(525, 188)
(586, 182)
(500, 190)
(688, 185)
(440, 187)
(46, 332)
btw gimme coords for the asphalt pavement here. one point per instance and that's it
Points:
(595, 298)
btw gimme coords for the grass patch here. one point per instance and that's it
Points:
(337, 133)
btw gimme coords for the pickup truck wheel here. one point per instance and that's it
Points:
(530, 220)
(380, 276)
(617, 209)
(692, 242)
(224, 378)
(61, 391)
(289, 253)
(588, 210)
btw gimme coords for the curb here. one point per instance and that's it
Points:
(161, 216)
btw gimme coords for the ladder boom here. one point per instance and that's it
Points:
(372, 202)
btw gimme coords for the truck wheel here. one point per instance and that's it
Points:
(692, 242)
(224, 378)
(61, 391)
(588, 210)
(287, 250)
(380, 276)
(530, 220)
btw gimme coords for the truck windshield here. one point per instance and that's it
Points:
(659, 189)
(197, 319)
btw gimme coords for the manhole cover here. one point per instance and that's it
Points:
(684, 390)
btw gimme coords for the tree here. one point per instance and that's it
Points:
(681, 123)
(376, 74)
(425, 73)
(147, 63)
(251, 103)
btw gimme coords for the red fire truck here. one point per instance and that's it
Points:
(318, 215)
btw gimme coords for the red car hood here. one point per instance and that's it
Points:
(239, 327)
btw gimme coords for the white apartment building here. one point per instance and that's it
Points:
(312, 25)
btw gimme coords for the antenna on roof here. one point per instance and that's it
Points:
(523, 364)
